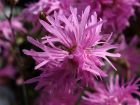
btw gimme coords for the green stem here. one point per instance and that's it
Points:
(17, 55)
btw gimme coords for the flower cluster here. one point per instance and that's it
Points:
(74, 52)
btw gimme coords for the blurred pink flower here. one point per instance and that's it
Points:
(43, 5)
(115, 93)
(32, 12)
(130, 53)
(117, 13)
(6, 29)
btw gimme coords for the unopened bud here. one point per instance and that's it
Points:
(42, 16)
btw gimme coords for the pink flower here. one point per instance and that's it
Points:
(72, 54)
(115, 93)
(79, 40)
